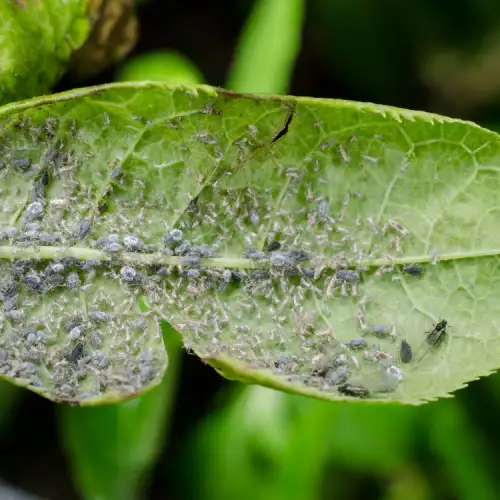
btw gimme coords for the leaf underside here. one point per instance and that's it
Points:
(175, 194)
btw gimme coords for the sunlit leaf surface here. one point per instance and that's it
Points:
(294, 242)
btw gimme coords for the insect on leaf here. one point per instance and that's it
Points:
(177, 194)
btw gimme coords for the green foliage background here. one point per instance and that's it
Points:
(259, 443)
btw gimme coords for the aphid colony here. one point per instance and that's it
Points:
(283, 271)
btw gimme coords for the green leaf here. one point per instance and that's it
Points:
(112, 448)
(37, 41)
(269, 45)
(343, 186)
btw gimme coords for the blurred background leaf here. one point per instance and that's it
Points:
(268, 47)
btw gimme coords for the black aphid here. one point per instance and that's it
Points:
(413, 269)
(437, 335)
(357, 391)
(76, 353)
(274, 245)
(45, 178)
(405, 352)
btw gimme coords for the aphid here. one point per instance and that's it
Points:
(23, 164)
(34, 282)
(339, 376)
(356, 344)
(73, 322)
(76, 353)
(76, 332)
(84, 228)
(173, 238)
(45, 178)
(280, 260)
(115, 173)
(113, 247)
(73, 281)
(15, 314)
(357, 391)
(405, 352)
(130, 275)
(8, 289)
(298, 255)
(193, 273)
(323, 210)
(37, 192)
(253, 253)
(132, 243)
(34, 211)
(10, 304)
(99, 316)
(274, 245)
(380, 331)
(183, 248)
(398, 227)
(437, 335)
(413, 269)
(346, 275)
(201, 251)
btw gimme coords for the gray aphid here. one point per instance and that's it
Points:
(113, 247)
(347, 275)
(323, 210)
(10, 304)
(359, 343)
(115, 173)
(23, 164)
(73, 281)
(76, 332)
(298, 255)
(132, 243)
(130, 275)
(183, 248)
(34, 282)
(280, 260)
(193, 273)
(339, 376)
(8, 289)
(99, 316)
(201, 250)
(15, 314)
(173, 238)
(73, 322)
(380, 330)
(34, 211)
(253, 253)
(84, 228)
